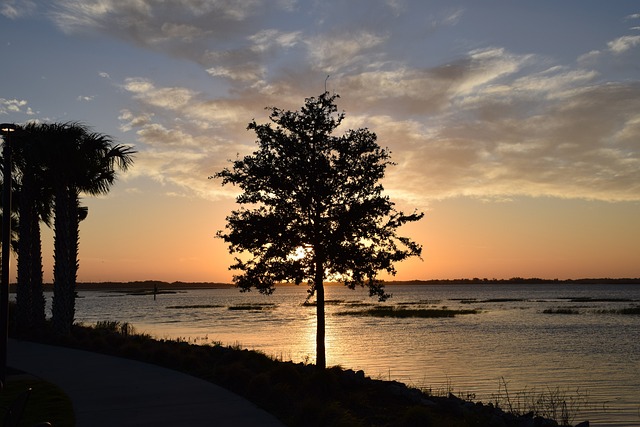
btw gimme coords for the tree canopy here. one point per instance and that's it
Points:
(313, 208)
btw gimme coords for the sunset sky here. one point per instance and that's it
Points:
(515, 125)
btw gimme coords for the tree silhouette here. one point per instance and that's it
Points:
(34, 200)
(79, 162)
(313, 209)
(55, 163)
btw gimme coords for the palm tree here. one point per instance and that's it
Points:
(14, 217)
(81, 161)
(14, 240)
(34, 201)
(14, 188)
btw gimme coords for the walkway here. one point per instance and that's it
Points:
(111, 391)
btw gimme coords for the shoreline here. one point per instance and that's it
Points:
(162, 286)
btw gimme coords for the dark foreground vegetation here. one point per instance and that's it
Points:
(299, 394)
(45, 401)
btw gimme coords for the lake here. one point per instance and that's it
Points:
(584, 348)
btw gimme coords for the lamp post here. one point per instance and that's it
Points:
(7, 129)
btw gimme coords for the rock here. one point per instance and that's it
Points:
(544, 422)
(497, 421)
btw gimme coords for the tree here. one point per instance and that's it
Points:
(14, 216)
(313, 209)
(79, 161)
(34, 200)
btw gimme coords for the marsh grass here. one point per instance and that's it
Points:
(561, 310)
(487, 301)
(502, 300)
(252, 307)
(589, 299)
(396, 312)
(630, 310)
(122, 328)
(359, 304)
(195, 306)
(465, 300)
(446, 390)
(421, 302)
(326, 302)
(563, 406)
(574, 310)
(627, 311)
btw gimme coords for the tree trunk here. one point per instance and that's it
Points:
(321, 360)
(24, 299)
(31, 311)
(38, 315)
(65, 266)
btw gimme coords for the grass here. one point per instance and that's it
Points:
(589, 299)
(559, 405)
(568, 310)
(396, 312)
(561, 311)
(628, 310)
(252, 307)
(45, 403)
(195, 306)
(124, 329)
(326, 302)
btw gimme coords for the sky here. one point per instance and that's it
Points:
(514, 125)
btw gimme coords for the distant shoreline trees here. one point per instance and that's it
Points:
(55, 163)
(313, 209)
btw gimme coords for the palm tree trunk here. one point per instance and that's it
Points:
(37, 291)
(29, 296)
(65, 259)
(24, 299)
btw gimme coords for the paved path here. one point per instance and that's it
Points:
(111, 391)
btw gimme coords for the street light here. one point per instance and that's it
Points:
(7, 129)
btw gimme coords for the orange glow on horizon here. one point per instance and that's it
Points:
(461, 239)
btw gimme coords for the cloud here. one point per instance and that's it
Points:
(623, 44)
(589, 57)
(338, 52)
(12, 105)
(239, 65)
(483, 126)
(489, 122)
(154, 24)
(452, 17)
(267, 39)
(131, 121)
(182, 136)
(578, 145)
(14, 9)
(168, 98)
